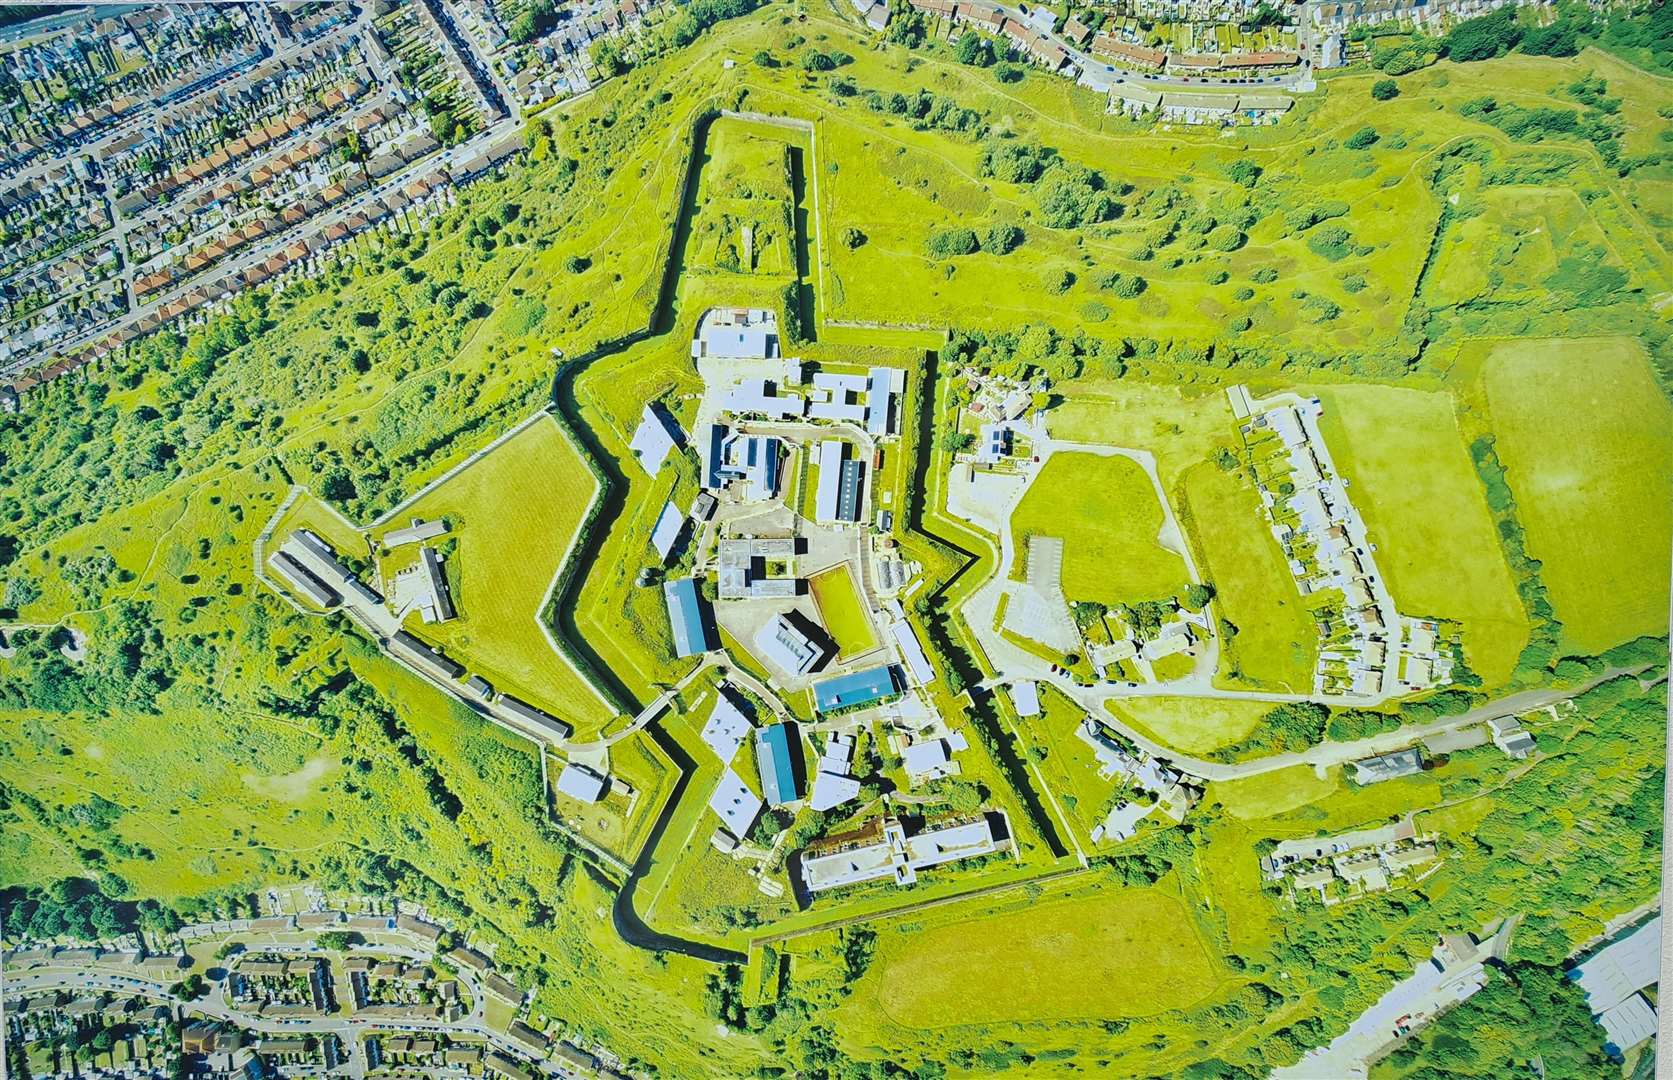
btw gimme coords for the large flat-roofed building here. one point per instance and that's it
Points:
(726, 728)
(761, 396)
(912, 652)
(581, 783)
(753, 459)
(1374, 770)
(415, 652)
(840, 479)
(737, 806)
(441, 608)
(745, 565)
(656, 437)
(901, 857)
(1614, 979)
(669, 525)
(687, 617)
(530, 720)
(775, 756)
(736, 334)
(297, 577)
(855, 689)
(788, 647)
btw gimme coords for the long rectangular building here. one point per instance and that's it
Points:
(855, 689)
(686, 617)
(297, 577)
(527, 718)
(409, 648)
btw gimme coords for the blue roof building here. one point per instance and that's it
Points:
(775, 756)
(686, 617)
(855, 689)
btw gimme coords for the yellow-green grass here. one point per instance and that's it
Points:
(1070, 768)
(841, 610)
(1586, 438)
(744, 183)
(1104, 509)
(1182, 426)
(1276, 644)
(1191, 725)
(1012, 966)
(514, 515)
(1411, 477)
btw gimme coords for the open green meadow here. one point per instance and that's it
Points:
(514, 516)
(1104, 509)
(1586, 437)
(1011, 966)
(1192, 725)
(1412, 479)
(1276, 641)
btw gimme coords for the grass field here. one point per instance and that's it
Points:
(1105, 511)
(1586, 437)
(1191, 725)
(514, 514)
(1276, 644)
(1010, 966)
(1411, 477)
(841, 610)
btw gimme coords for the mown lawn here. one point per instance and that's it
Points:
(1015, 966)
(1191, 725)
(1105, 511)
(514, 514)
(1586, 438)
(1410, 475)
(1276, 644)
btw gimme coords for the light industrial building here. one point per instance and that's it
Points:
(840, 479)
(657, 436)
(855, 689)
(415, 533)
(736, 334)
(776, 749)
(581, 783)
(752, 459)
(787, 646)
(726, 728)
(687, 617)
(669, 524)
(737, 806)
(744, 568)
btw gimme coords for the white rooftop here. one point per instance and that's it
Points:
(667, 530)
(654, 440)
(737, 806)
(580, 782)
(726, 728)
(1026, 697)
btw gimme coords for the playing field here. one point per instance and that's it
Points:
(513, 514)
(1011, 966)
(1105, 511)
(1191, 725)
(1586, 438)
(1276, 643)
(1411, 477)
(842, 611)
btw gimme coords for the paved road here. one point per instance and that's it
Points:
(348, 1029)
(1327, 754)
